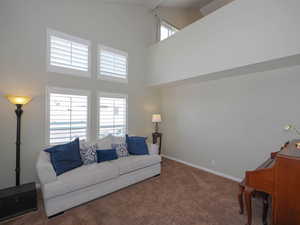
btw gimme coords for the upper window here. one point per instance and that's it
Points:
(67, 115)
(112, 64)
(112, 115)
(166, 30)
(68, 54)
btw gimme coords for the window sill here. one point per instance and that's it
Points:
(113, 79)
(68, 71)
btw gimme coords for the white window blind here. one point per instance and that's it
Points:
(166, 30)
(68, 117)
(67, 54)
(112, 115)
(112, 63)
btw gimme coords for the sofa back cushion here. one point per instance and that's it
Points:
(106, 155)
(137, 145)
(105, 143)
(153, 149)
(65, 157)
(118, 139)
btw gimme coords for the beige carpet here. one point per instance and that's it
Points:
(182, 195)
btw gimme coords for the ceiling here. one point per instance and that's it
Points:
(151, 4)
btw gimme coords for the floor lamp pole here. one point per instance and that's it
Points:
(18, 112)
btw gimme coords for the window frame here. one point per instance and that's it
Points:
(168, 26)
(67, 91)
(111, 78)
(110, 95)
(63, 70)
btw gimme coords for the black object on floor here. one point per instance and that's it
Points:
(16, 201)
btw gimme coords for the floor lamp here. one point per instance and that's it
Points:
(19, 101)
(19, 199)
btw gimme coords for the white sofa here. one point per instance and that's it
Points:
(89, 182)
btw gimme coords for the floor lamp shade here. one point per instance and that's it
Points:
(19, 101)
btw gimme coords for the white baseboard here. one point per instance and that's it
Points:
(203, 168)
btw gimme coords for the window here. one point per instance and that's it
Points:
(112, 115)
(112, 64)
(166, 30)
(67, 54)
(67, 115)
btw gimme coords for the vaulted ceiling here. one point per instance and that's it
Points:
(151, 4)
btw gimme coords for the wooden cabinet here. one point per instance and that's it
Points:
(286, 206)
(279, 177)
(17, 200)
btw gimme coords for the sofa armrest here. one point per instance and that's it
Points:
(153, 149)
(44, 168)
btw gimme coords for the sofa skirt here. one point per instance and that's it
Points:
(61, 203)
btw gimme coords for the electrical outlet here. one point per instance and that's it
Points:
(213, 162)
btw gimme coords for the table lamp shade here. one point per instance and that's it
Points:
(18, 100)
(156, 118)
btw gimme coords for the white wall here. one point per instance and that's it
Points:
(236, 121)
(23, 26)
(239, 34)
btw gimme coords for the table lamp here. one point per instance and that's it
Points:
(156, 118)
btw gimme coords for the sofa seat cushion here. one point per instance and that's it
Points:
(135, 162)
(81, 177)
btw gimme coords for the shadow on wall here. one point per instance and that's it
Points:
(180, 17)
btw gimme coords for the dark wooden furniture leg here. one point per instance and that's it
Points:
(155, 137)
(240, 198)
(248, 198)
(265, 208)
(160, 141)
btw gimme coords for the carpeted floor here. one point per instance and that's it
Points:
(182, 195)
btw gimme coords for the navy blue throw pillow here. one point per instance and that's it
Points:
(106, 155)
(137, 145)
(65, 157)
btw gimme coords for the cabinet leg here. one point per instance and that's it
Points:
(240, 199)
(265, 208)
(248, 198)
